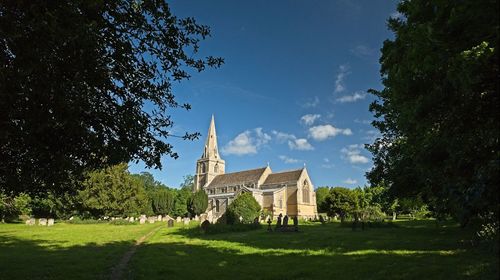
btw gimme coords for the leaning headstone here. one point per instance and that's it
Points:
(186, 221)
(30, 222)
(42, 222)
(71, 218)
(167, 218)
(179, 219)
(205, 225)
(170, 223)
(50, 222)
(142, 220)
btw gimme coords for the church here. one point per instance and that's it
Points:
(288, 192)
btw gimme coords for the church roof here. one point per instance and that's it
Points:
(237, 178)
(283, 177)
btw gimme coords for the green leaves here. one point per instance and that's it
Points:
(74, 83)
(437, 110)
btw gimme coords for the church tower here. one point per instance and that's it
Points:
(210, 164)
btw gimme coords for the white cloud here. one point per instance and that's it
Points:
(247, 142)
(282, 137)
(294, 143)
(353, 154)
(288, 159)
(358, 95)
(323, 132)
(311, 103)
(362, 50)
(309, 119)
(300, 144)
(350, 181)
(339, 80)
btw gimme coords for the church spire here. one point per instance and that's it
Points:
(211, 150)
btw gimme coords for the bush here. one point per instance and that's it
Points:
(244, 206)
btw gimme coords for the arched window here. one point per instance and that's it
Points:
(203, 170)
(216, 168)
(216, 206)
(305, 192)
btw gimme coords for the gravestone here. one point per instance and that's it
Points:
(278, 222)
(42, 222)
(167, 218)
(170, 223)
(151, 220)
(142, 221)
(179, 219)
(50, 222)
(269, 224)
(296, 223)
(196, 218)
(30, 222)
(285, 221)
(322, 220)
(159, 218)
(186, 221)
(205, 225)
(131, 219)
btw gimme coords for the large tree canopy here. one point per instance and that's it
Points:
(438, 110)
(75, 79)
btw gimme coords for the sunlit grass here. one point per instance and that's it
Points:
(413, 250)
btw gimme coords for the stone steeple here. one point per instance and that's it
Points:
(211, 150)
(210, 164)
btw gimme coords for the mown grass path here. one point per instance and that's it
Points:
(118, 270)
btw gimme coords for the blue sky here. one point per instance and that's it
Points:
(292, 90)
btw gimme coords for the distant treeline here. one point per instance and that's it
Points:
(110, 192)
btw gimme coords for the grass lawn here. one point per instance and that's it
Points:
(64, 251)
(413, 250)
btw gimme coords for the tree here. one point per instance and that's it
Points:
(244, 206)
(438, 110)
(181, 202)
(198, 203)
(321, 194)
(162, 200)
(113, 192)
(74, 81)
(342, 202)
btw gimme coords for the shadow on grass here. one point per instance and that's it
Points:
(46, 259)
(407, 235)
(316, 252)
